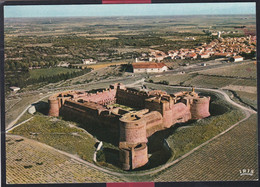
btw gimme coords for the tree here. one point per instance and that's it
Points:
(12, 66)
(42, 64)
(36, 64)
(7, 67)
(30, 64)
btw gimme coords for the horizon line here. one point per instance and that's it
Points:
(134, 16)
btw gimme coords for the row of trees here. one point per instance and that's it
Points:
(16, 66)
(58, 77)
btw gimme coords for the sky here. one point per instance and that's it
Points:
(129, 10)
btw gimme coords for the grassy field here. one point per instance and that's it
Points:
(58, 134)
(185, 139)
(249, 99)
(241, 70)
(28, 161)
(209, 81)
(203, 80)
(221, 159)
(48, 72)
(174, 79)
(24, 117)
(236, 74)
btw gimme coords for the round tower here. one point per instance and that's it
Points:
(53, 106)
(133, 156)
(132, 129)
(200, 108)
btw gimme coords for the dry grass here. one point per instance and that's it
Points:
(104, 38)
(39, 45)
(104, 65)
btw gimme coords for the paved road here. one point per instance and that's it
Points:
(11, 125)
(187, 69)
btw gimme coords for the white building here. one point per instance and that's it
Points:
(15, 89)
(205, 55)
(149, 67)
(237, 59)
(89, 61)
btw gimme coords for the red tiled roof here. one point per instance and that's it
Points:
(237, 57)
(192, 55)
(220, 54)
(144, 65)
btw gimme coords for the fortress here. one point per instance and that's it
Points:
(154, 111)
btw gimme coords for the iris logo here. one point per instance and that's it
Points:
(249, 172)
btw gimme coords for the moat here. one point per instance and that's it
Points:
(132, 127)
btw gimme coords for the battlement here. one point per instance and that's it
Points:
(153, 111)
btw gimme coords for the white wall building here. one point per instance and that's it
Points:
(149, 67)
(89, 61)
(237, 59)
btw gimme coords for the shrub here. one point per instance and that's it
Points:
(27, 166)
(101, 156)
(164, 82)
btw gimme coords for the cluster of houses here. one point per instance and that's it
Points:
(220, 48)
